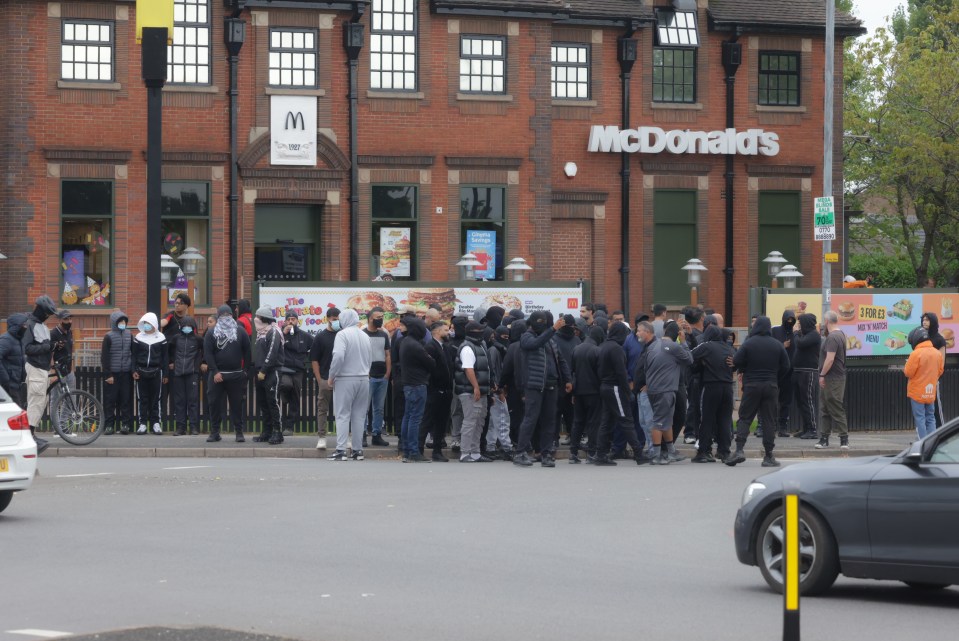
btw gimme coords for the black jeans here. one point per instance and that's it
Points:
(785, 400)
(587, 410)
(118, 401)
(233, 388)
(291, 401)
(694, 392)
(185, 392)
(439, 403)
(149, 388)
(717, 417)
(806, 389)
(540, 413)
(566, 414)
(679, 412)
(762, 399)
(268, 399)
(517, 411)
(616, 410)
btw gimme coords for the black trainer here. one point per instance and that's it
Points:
(701, 457)
(213, 438)
(574, 459)
(809, 435)
(770, 461)
(523, 460)
(736, 457)
(823, 442)
(603, 461)
(379, 441)
(439, 458)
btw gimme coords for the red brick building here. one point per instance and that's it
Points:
(467, 115)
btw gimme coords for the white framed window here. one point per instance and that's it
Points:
(676, 28)
(569, 77)
(482, 64)
(393, 45)
(189, 56)
(293, 58)
(86, 51)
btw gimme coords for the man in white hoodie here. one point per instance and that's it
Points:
(150, 363)
(350, 380)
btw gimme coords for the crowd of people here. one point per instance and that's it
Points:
(497, 385)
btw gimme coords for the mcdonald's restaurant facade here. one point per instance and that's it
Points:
(602, 140)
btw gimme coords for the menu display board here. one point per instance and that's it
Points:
(875, 322)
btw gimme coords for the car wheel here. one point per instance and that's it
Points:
(818, 554)
(5, 498)
(928, 587)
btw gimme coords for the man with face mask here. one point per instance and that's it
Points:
(116, 362)
(61, 337)
(786, 335)
(321, 355)
(456, 340)
(350, 380)
(379, 371)
(186, 352)
(472, 382)
(615, 397)
(226, 350)
(566, 340)
(268, 358)
(508, 382)
(586, 390)
(439, 393)
(150, 366)
(540, 372)
(498, 432)
(296, 351)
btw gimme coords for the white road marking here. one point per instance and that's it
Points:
(188, 467)
(74, 476)
(45, 634)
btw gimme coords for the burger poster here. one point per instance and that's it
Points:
(395, 250)
(311, 302)
(876, 323)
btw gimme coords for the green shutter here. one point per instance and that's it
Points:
(674, 243)
(299, 224)
(780, 220)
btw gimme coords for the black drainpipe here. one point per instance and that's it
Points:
(234, 33)
(627, 50)
(353, 43)
(732, 58)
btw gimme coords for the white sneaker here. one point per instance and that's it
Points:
(689, 440)
(157, 429)
(321, 443)
(142, 429)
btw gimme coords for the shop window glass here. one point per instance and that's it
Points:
(185, 223)
(394, 231)
(86, 242)
(779, 229)
(483, 228)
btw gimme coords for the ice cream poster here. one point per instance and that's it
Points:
(482, 244)
(395, 251)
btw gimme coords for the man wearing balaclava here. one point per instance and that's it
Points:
(456, 340)
(507, 380)
(226, 351)
(786, 335)
(61, 338)
(615, 397)
(472, 382)
(586, 387)
(540, 373)
(566, 340)
(37, 350)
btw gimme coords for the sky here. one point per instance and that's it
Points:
(873, 13)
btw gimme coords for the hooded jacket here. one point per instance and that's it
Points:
(585, 366)
(116, 353)
(352, 350)
(566, 341)
(762, 358)
(62, 341)
(634, 349)
(923, 369)
(150, 354)
(709, 357)
(530, 368)
(296, 349)
(807, 343)
(507, 371)
(11, 355)
(662, 365)
(37, 347)
(244, 316)
(415, 362)
(227, 354)
(611, 358)
(787, 332)
(268, 350)
(185, 350)
(441, 378)
(934, 336)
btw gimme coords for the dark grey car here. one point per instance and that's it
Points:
(892, 517)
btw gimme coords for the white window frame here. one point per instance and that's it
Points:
(293, 59)
(81, 54)
(482, 64)
(561, 80)
(189, 58)
(393, 45)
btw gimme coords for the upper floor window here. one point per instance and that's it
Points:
(393, 45)
(189, 55)
(676, 28)
(674, 57)
(570, 71)
(292, 58)
(778, 78)
(86, 52)
(483, 64)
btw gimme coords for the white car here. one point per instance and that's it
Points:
(18, 450)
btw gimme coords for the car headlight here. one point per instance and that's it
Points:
(752, 491)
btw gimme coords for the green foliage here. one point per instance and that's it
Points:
(886, 271)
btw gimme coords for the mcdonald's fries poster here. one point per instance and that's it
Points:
(875, 322)
(293, 130)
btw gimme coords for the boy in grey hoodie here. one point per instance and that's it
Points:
(350, 380)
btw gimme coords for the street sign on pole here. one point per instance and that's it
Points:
(824, 219)
(829, 115)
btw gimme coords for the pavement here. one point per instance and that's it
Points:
(304, 446)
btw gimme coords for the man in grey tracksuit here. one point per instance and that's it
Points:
(350, 380)
(659, 371)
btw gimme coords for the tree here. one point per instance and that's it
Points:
(918, 17)
(902, 137)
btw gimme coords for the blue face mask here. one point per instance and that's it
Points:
(147, 327)
(187, 330)
(335, 325)
(121, 326)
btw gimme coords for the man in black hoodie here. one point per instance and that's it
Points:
(764, 362)
(566, 340)
(185, 350)
(456, 340)
(931, 324)
(711, 363)
(226, 350)
(786, 335)
(417, 367)
(38, 349)
(615, 396)
(439, 393)
(12, 377)
(586, 388)
(806, 373)
(514, 393)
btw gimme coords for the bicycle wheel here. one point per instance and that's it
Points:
(79, 418)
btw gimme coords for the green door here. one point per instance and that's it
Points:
(779, 223)
(674, 243)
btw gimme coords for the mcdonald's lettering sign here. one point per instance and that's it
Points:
(293, 130)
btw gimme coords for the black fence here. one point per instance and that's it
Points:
(875, 401)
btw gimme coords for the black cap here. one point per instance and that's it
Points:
(332, 312)
(224, 310)
(292, 314)
(64, 314)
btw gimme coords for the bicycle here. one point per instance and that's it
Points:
(78, 415)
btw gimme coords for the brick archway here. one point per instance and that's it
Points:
(327, 152)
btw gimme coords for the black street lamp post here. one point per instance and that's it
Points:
(154, 54)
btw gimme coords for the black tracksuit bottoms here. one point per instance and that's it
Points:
(436, 416)
(761, 399)
(785, 400)
(149, 388)
(806, 389)
(268, 396)
(234, 389)
(118, 401)
(185, 392)
(616, 410)
(716, 417)
(587, 410)
(540, 416)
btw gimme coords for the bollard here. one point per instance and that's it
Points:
(791, 568)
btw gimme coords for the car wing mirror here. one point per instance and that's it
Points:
(912, 458)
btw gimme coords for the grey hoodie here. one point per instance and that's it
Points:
(661, 366)
(352, 350)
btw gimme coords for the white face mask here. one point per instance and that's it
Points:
(121, 326)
